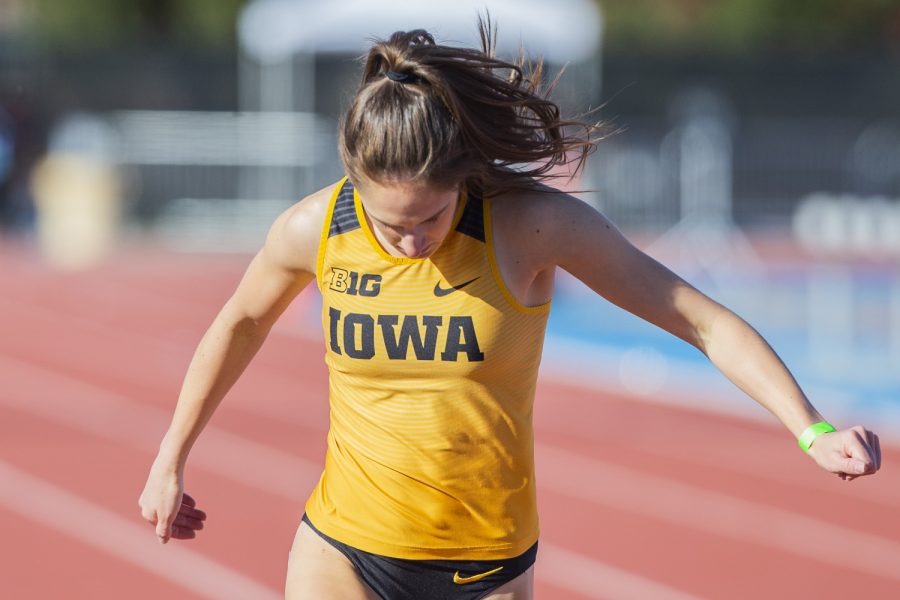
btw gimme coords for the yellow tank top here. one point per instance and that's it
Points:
(432, 366)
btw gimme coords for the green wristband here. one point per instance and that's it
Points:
(812, 432)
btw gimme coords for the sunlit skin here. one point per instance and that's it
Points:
(409, 219)
(534, 233)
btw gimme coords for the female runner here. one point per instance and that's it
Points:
(435, 258)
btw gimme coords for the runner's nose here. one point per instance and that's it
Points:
(413, 245)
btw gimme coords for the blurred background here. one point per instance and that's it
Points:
(754, 148)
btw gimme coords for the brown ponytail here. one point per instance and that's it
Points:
(443, 115)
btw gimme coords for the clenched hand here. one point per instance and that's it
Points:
(173, 512)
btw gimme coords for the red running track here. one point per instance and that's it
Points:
(637, 501)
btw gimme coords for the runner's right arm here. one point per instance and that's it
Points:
(279, 271)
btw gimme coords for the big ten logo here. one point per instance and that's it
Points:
(355, 284)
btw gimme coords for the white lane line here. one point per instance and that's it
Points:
(593, 579)
(564, 362)
(79, 405)
(58, 509)
(694, 507)
(73, 403)
(154, 348)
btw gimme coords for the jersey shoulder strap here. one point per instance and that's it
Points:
(471, 223)
(343, 215)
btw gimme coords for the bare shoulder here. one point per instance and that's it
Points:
(293, 239)
(540, 203)
(545, 224)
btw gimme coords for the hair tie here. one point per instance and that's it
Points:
(401, 77)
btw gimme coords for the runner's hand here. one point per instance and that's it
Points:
(173, 512)
(849, 453)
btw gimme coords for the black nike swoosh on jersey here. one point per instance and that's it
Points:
(439, 291)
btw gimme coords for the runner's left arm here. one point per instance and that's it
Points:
(579, 239)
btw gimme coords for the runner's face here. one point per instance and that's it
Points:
(408, 219)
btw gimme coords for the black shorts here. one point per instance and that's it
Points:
(405, 579)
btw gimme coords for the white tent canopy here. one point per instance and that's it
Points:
(281, 41)
(280, 38)
(560, 30)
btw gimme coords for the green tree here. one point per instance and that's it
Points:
(88, 24)
(751, 25)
